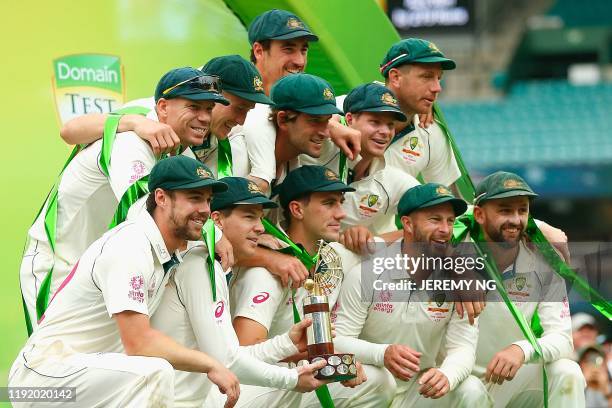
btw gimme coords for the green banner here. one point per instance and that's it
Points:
(87, 83)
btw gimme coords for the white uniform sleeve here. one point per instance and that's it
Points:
(272, 350)
(240, 157)
(256, 294)
(194, 290)
(131, 159)
(123, 279)
(442, 167)
(260, 136)
(461, 339)
(556, 341)
(350, 317)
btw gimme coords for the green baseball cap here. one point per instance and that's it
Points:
(414, 50)
(183, 173)
(309, 179)
(304, 93)
(501, 184)
(240, 192)
(239, 77)
(279, 25)
(429, 195)
(373, 97)
(189, 83)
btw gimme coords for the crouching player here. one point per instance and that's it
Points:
(405, 332)
(195, 307)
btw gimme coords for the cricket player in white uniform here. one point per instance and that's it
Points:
(192, 315)
(241, 85)
(87, 198)
(95, 335)
(505, 360)
(262, 308)
(405, 332)
(279, 47)
(372, 110)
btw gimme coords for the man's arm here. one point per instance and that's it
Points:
(461, 341)
(140, 339)
(281, 265)
(346, 138)
(88, 128)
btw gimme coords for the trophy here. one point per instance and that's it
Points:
(327, 275)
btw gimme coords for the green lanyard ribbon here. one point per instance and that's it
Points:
(224, 158)
(208, 236)
(50, 220)
(309, 262)
(465, 225)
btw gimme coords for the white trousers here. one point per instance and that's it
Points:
(565, 387)
(36, 263)
(471, 393)
(376, 392)
(100, 380)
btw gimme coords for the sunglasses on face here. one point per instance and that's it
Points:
(206, 83)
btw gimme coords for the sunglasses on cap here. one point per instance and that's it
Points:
(206, 83)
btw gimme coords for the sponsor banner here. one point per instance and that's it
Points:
(87, 83)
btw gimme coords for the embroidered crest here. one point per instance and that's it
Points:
(434, 48)
(328, 94)
(254, 188)
(388, 99)
(513, 183)
(439, 298)
(441, 190)
(257, 83)
(203, 173)
(330, 175)
(294, 23)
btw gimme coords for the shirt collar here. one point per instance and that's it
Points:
(148, 225)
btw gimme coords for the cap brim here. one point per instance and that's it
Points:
(335, 186)
(459, 206)
(295, 34)
(447, 64)
(217, 186)
(256, 97)
(511, 193)
(204, 96)
(399, 115)
(326, 109)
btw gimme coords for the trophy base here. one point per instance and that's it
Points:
(340, 367)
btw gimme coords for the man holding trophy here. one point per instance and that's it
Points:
(311, 198)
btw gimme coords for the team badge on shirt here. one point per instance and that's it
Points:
(410, 149)
(439, 311)
(519, 288)
(369, 205)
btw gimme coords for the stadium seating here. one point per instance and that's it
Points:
(546, 122)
